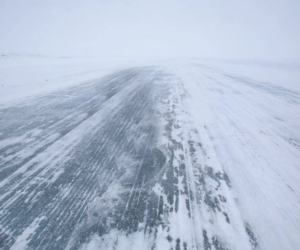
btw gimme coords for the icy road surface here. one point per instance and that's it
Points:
(181, 157)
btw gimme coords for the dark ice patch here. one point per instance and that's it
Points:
(217, 243)
(252, 237)
(206, 243)
(6, 240)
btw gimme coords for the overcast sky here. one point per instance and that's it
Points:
(176, 28)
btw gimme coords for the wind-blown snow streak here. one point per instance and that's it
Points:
(181, 157)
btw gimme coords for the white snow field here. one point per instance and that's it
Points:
(133, 154)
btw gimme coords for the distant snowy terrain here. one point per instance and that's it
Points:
(132, 154)
(24, 76)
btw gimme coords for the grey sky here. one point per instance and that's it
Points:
(203, 28)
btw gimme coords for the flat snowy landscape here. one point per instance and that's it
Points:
(149, 154)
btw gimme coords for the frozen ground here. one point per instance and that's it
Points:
(176, 154)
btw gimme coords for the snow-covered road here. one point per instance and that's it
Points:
(185, 155)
